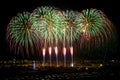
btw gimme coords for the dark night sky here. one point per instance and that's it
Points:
(10, 9)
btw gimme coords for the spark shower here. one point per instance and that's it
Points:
(54, 31)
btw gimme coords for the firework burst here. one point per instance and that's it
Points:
(71, 32)
(49, 30)
(49, 22)
(20, 35)
(95, 28)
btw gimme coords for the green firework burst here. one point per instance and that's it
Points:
(71, 31)
(95, 28)
(20, 35)
(49, 24)
(91, 21)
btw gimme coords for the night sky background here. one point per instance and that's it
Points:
(11, 9)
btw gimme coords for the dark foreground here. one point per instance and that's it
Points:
(106, 72)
